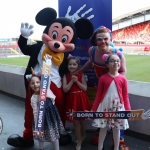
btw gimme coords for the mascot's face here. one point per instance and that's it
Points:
(59, 38)
(60, 34)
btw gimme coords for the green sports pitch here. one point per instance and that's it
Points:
(138, 66)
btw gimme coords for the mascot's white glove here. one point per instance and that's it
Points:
(26, 30)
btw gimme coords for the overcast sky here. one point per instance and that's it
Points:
(13, 12)
(121, 7)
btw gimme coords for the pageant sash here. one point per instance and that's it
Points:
(39, 130)
(136, 114)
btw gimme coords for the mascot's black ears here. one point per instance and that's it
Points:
(83, 27)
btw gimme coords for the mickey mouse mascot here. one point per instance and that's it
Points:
(59, 38)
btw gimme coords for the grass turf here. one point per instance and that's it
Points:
(138, 66)
(17, 61)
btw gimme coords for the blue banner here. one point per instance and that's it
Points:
(39, 130)
(136, 114)
(99, 12)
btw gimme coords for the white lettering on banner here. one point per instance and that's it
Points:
(121, 115)
(99, 114)
(83, 58)
(108, 115)
(44, 84)
(46, 72)
(41, 104)
(40, 119)
(86, 115)
(114, 115)
(96, 114)
(133, 115)
(43, 93)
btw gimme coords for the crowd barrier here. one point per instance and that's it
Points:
(12, 82)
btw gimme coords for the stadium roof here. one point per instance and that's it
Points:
(126, 8)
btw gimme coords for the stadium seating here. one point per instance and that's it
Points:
(139, 32)
(8, 49)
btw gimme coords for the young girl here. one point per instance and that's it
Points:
(100, 42)
(74, 85)
(112, 95)
(52, 122)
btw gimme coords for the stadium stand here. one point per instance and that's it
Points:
(132, 31)
(9, 49)
(139, 32)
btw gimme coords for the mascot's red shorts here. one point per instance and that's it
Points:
(59, 102)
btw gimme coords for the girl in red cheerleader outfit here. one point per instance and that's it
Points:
(74, 85)
(112, 95)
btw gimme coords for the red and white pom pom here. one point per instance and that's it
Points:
(104, 57)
